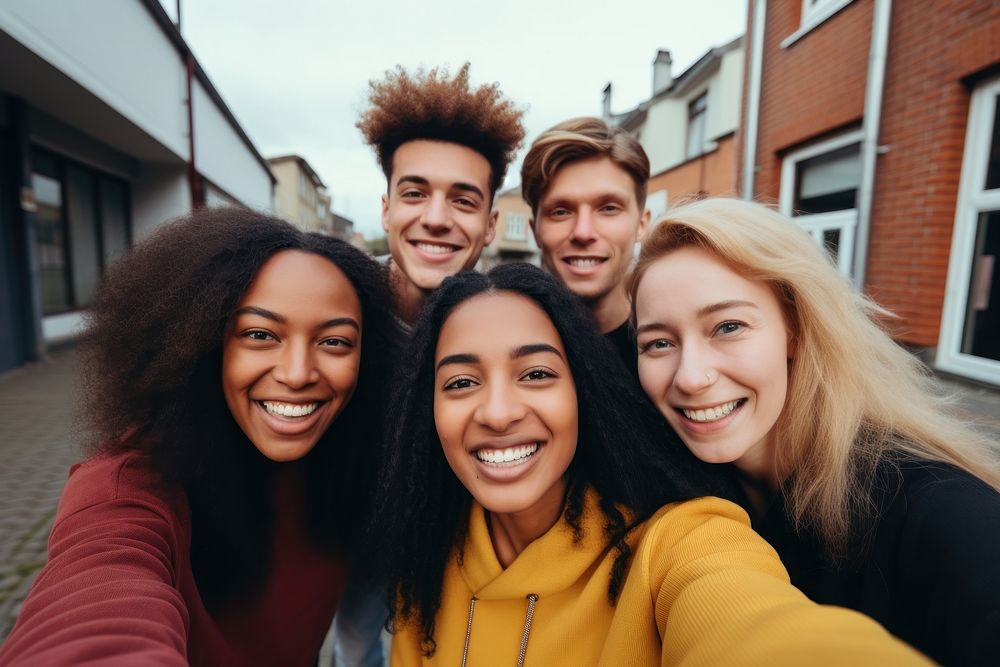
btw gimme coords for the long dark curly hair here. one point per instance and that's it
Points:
(152, 360)
(624, 450)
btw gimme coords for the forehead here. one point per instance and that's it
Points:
(441, 163)
(687, 279)
(498, 322)
(293, 279)
(590, 178)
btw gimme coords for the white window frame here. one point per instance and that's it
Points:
(845, 221)
(519, 231)
(973, 199)
(814, 16)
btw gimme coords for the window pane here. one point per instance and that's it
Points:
(993, 166)
(114, 218)
(80, 208)
(828, 182)
(50, 245)
(831, 241)
(981, 336)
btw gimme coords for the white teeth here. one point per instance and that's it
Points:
(290, 409)
(584, 262)
(509, 456)
(711, 414)
(435, 249)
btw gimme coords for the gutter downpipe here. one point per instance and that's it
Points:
(194, 179)
(753, 99)
(881, 22)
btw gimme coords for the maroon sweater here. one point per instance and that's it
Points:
(118, 587)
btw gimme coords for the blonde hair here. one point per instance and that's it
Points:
(855, 397)
(580, 139)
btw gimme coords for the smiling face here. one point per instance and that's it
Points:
(291, 356)
(713, 356)
(586, 226)
(437, 212)
(505, 404)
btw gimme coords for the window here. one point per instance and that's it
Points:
(969, 344)
(696, 126)
(81, 226)
(517, 227)
(819, 189)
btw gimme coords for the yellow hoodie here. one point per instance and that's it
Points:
(702, 589)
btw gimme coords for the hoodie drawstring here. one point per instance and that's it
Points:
(529, 615)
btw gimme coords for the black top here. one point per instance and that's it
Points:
(623, 340)
(927, 568)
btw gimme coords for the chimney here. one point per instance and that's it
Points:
(662, 78)
(606, 101)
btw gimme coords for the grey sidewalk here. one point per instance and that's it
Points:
(37, 447)
(38, 444)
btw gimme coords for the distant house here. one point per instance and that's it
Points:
(300, 195)
(108, 127)
(342, 228)
(688, 125)
(513, 241)
(875, 124)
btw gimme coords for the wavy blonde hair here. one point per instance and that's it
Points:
(855, 397)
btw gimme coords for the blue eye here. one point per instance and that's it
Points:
(730, 327)
(656, 344)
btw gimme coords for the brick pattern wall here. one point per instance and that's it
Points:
(713, 173)
(815, 88)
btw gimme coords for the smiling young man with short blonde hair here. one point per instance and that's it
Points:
(585, 182)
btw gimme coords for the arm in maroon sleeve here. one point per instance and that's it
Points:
(109, 592)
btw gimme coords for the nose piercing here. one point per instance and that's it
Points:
(708, 377)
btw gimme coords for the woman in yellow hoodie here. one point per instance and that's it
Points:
(529, 519)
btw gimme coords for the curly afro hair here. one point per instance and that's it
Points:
(430, 105)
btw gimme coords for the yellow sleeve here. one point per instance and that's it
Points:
(722, 597)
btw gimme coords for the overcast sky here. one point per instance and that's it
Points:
(295, 73)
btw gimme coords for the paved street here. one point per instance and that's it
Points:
(38, 444)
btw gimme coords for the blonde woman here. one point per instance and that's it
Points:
(761, 355)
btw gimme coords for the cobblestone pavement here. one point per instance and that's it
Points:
(38, 445)
(37, 448)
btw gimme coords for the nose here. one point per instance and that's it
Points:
(435, 215)
(296, 367)
(695, 372)
(501, 407)
(584, 231)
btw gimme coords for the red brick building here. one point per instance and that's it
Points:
(875, 123)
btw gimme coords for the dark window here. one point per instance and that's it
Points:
(696, 125)
(993, 166)
(828, 182)
(982, 312)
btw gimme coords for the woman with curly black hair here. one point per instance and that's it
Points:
(232, 374)
(530, 518)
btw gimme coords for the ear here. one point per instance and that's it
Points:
(534, 229)
(491, 227)
(640, 234)
(385, 212)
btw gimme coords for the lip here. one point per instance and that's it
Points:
(435, 258)
(707, 428)
(584, 271)
(291, 426)
(507, 474)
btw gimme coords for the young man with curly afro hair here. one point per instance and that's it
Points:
(444, 147)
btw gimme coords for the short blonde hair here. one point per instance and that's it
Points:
(855, 397)
(579, 139)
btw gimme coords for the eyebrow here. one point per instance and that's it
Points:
(704, 310)
(517, 353)
(420, 180)
(267, 314)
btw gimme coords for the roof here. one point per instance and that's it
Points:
(630, 119)
(167, 25)
(303, 164)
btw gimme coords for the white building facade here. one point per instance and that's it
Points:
(108, 127)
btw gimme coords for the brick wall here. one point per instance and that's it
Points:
(816, 86)
(713, 173)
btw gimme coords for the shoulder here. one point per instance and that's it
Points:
(121, 477)
(936, 493)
